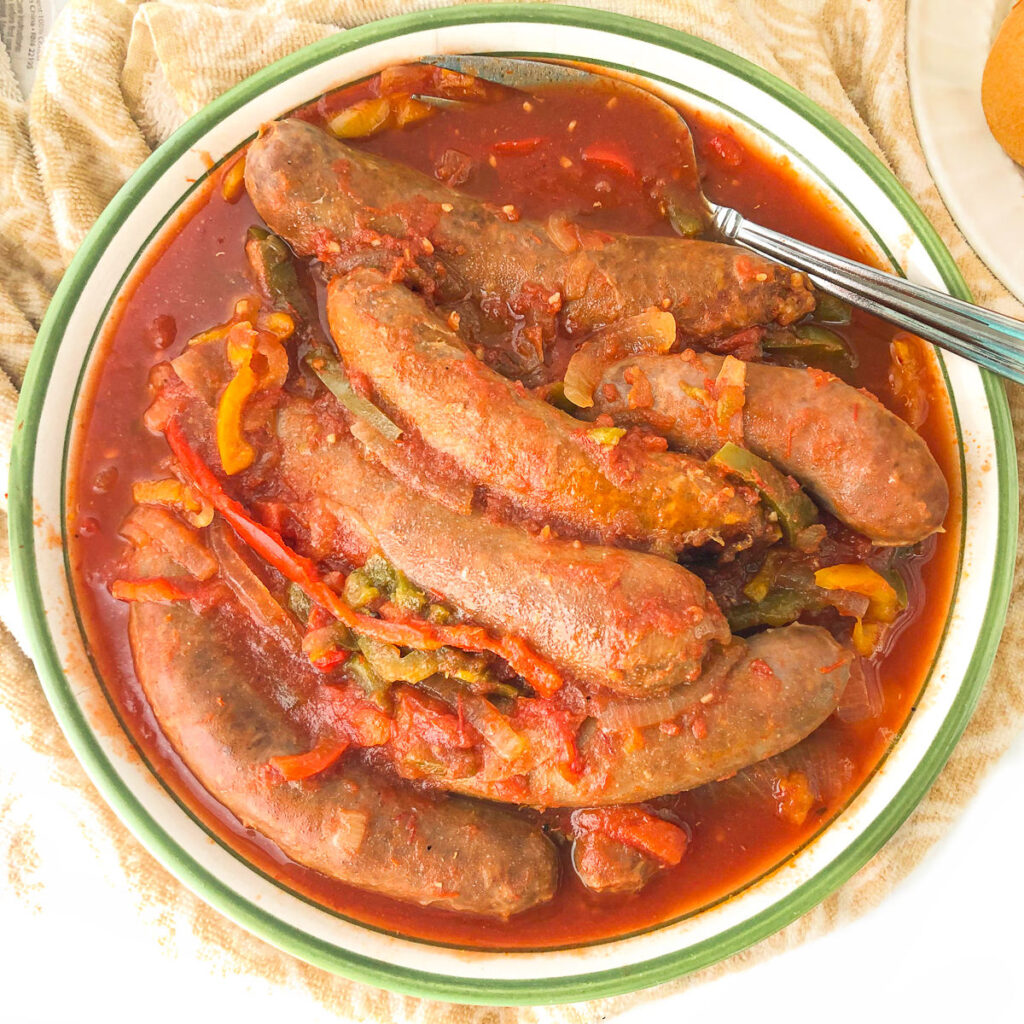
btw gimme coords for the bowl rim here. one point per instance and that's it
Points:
(219, 894)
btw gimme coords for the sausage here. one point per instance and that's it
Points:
(200, 675)
(757, 698)
(607, 617)
(348, 207)
(604, 865)
(861, 461)
(417, 368)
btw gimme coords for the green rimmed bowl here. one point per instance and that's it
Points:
(702, 76)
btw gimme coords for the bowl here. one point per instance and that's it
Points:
(703, 76)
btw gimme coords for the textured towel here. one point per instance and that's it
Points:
(115, 80)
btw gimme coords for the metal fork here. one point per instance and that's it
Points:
(987, 338)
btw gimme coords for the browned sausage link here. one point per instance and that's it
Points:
(354, 825)
(604, 865)
(861, 461)
(345, 207)
(555, 471)
(781, 686)
(606, 616)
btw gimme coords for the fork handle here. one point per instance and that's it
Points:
(990, 339)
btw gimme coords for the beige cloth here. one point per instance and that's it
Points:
(117, 78)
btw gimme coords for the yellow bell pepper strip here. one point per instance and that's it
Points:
(730, 388)
(609, 437)
(245, 312)
(908, 376)
(413, 633)
(794, 509)
(862, 579)
(884, 601)
(174, 494)
(362, 119)
(235, 452)
(232, 185)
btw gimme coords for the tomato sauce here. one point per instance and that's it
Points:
(739, 829)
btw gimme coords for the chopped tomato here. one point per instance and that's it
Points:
(432, 721)
(635, 827)
(726, 149)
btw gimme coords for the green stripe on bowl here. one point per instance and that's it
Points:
(248, 914)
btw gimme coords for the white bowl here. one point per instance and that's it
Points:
(704, 77)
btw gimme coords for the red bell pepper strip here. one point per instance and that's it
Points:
(301, 766)
(609, 156)
(269, 545)
(520, 146)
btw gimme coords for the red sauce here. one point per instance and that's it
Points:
(737, 834)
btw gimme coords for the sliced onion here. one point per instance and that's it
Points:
(493, 726)
(180, 542)
(250, 590)
(562, 232)
(847, 603)
(577, 277)
(624, 714)
(205, 369)
(651, 332)
(863, 698)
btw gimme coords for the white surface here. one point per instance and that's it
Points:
(948, 42)
(944, 946)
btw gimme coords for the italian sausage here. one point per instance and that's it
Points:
(202, 679)
(608, 617)
(757, 698)
(347, 207)
(417, 368)
(861, 461)
(604, 865)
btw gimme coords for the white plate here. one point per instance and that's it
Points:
(948, 42)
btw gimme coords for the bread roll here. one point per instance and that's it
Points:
(1002, 85)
